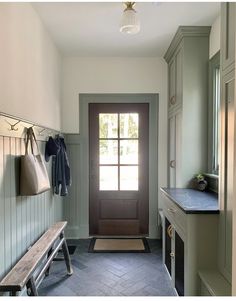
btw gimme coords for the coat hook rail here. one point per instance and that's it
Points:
(13, 130)
(13, 126)
(41, 132)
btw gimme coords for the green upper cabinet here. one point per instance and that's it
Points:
(227, 36)
(171, 82)
(227, 143)
(187, 58)
(175, 80)
(178, 76)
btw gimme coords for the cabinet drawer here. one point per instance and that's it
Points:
(175, 214)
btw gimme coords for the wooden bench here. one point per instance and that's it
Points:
(42, 253)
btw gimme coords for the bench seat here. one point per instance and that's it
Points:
(47, 245)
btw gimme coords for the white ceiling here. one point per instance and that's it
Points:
(92, 28)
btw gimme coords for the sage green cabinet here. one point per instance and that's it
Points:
(227, 36)
(189, 245)
(175, 80)
(172, 83)
(174, 256)
(187, 58)
(226, 181)
(175, 122)
(226, 184)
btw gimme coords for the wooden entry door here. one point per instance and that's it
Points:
(118, 149)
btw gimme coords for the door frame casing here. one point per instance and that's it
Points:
(153, 101)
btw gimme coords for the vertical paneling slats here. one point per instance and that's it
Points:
(2, 211)
(28, 220)
(19, 239)
(12, 156)
(7, 201)
(31, 228)
(23, 209)
(22, 219)
(71, 204)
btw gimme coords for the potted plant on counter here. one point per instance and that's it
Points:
(200, 181)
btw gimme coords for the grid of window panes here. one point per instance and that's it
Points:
(118, 151)
(216, 111)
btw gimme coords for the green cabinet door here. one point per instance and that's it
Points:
(171, 83)
(227, 35)
(226, 182)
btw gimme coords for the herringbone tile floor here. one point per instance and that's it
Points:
(109, 274)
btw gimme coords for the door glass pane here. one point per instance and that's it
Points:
(108, 151)
(108, 178)
(128, 177)
(129, 151)
(129, 125)
(108, 125)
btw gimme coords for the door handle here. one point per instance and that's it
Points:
(169, 231)
(172, 254)
(172, 163)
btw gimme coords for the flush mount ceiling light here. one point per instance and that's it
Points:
(130, 23)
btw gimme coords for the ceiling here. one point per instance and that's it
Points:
(92, 28)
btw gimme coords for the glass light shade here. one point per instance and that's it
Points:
(130, 23)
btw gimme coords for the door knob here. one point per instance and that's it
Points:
(172, 254)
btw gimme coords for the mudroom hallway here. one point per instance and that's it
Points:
(117, 149)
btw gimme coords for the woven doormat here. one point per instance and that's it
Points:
(119, 245)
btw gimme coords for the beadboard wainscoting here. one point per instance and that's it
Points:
(73, 209)
(22, 219)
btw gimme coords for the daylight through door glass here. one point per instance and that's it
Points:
(118, 151)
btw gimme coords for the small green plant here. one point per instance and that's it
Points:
(200, 177)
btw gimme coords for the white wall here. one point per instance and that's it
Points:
(214, 38)
(108, 75)
(29, 67)
(116, 75)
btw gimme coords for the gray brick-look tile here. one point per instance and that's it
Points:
(109, 274)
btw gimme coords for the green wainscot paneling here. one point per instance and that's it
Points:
(22, 219)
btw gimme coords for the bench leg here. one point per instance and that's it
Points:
(31, 287)
(48, 270)
(66, 255)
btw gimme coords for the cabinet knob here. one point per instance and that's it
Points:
(173, 100)
(172, 254)
(172, 163)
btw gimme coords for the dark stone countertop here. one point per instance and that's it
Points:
(193, 201)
